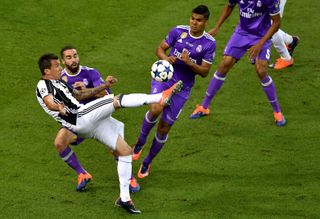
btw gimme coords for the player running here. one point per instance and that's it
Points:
(251, 35)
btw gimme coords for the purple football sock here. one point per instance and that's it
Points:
(156, 146)
(270, 90)
(215, 84)
(71, 159)
(146, 127)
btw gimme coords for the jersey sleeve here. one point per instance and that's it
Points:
(210, 53)
(96, 78)
(273, 7)
(172, 36)
(42, 89)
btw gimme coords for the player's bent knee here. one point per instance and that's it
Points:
(124, 151)
(60, 145)
(261, 68)
(155, 110)
(226, 64)
(122, 148)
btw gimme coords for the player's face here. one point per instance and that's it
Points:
(197, 24)
(71, 60)
(55, 69)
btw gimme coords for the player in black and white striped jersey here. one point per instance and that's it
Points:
(92, 120)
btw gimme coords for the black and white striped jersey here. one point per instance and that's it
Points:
(61, 92)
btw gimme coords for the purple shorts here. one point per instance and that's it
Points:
(79, 139)
(171, 112)
(239, 44)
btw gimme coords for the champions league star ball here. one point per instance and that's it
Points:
(162, 71)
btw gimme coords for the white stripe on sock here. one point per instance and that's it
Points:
(65, 158)
(267, 83)
(219, 78)
(148, 120)
(160, 140)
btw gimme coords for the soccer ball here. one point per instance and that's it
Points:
(162, 71)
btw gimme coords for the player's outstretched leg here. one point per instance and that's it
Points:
(168, 94)
(136, 100)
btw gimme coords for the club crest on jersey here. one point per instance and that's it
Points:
(43, 91)
(199, 48)
(85, 81)
(259, 4)
(65, 78)
(183, 35)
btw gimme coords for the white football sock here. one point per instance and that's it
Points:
(135, 100)
(278, 40)
(124, 172)
(288, 39)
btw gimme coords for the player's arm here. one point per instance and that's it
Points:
(255, 50)
(97, 81)
(91, 92)
(202, 70)
(79, 85)
(60, 107)
(226, 12)
(161, 52)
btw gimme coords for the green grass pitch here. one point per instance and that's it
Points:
(233, 164)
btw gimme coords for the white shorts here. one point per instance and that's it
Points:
(94, 121)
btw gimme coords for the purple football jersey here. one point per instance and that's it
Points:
(89, 76)
(255, 15)
(200, 49)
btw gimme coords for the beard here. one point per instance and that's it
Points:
(74, 67)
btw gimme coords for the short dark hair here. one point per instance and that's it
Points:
(203, 10)
(45, 61)
(67, 47)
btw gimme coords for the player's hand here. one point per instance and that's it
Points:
(185, 56)
(172, 59)
(110, 80)
(214, 31)
(79, 85)
(62, 109)
(254, 51)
